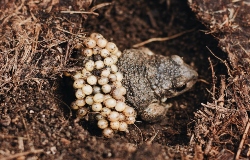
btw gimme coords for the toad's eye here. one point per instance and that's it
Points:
(181, 88)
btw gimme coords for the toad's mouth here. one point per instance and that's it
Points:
(177, 90)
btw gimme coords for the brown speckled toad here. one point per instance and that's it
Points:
(151, 79)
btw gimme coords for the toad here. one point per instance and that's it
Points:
(150, 79)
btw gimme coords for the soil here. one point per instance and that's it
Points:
(37, 46)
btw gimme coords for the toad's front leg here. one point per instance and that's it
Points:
(155, 111)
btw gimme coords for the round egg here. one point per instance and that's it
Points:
(111, 47)
(108, 61)
(80, 102)
(98, 98)
(105, 73)
(110, 102)
(115, 125)
(79, 94)
(101, 42)
(106, 88)
(120, 106)
(108, 132)
(96, 107)
(78, 83)
(113, 116)
(99, 64)
(96, 36)
(129, 111)
(105, 111)
(102, 123)
(87, 52)
(90, 65)
(89, 100)
(123, 126)
(89, 42)
(82, 112)
(104, 53)
(87, 89)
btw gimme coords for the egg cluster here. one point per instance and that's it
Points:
(98, 86)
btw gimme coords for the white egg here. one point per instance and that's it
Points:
(89, 42)
(89, 100)
(79, 94)
(105, 111)
(105, 53)
(129, 111)
(113, 116)
(107, 96)
(108, 133)
(106, 88)
(98, 98)
(77, 75)
(105, 73)
(96, 107)
(96, 50)
(108, 61)
(121, 117)
(80, 102)
(92, 80)
(101, 42)
(123, 90)
(115, 58)
(110, 102)
(85, 73)
(87, 89)
(112, 77)
(111, 47)
(119, 76)
(118, 54)
(130, 120)
(115, 125)
(120, 106)
(123, 126)
(103, 80)
(99, 64)
(114, 68)
(87, 52)
(102, 123)
(90, 65)
(78, 83)
(117, 93)
(96, 36)
(117, 84)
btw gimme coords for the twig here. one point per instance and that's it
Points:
(22, 154)
(203, 80)
(91, 11)
(208, 146)
(99, 6)
(242, 141)
(31, 145)
(223, 61)
(81, 12)
(140, 132)
(222, 89)
(162, 39)
(213, 76)
(9, 136)
(152, 138)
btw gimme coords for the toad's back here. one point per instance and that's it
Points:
(149, 78)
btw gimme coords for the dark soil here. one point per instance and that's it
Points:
(36, 46)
